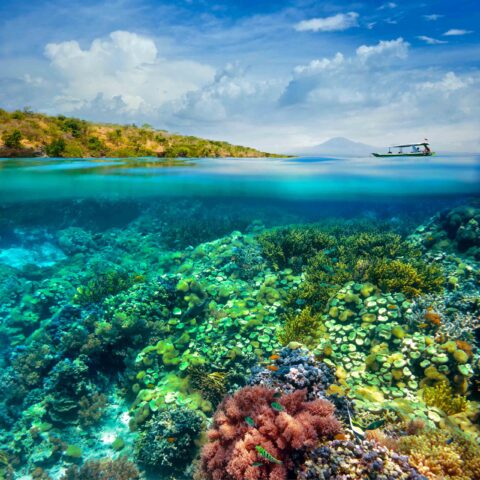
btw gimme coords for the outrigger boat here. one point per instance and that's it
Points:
(415, 152)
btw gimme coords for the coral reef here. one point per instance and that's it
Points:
(294, 369)
(348, 460)
(441, 396)
(439, 455)
(256, 433)
(106, 469)
(167, 441)
(303, 327)
(318, 350)
(456, 229)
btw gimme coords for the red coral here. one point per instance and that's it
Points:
(231, 453)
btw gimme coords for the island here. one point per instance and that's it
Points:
(25, 133)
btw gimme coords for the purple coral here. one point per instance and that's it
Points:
(346, 460)
(297, 369)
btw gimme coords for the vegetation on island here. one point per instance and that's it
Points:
(24, 133)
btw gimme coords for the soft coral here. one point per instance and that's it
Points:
(231, 453)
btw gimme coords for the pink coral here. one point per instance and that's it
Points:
(248, 420)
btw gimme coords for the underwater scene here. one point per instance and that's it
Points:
(240, 319)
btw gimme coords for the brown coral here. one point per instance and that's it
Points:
(440, 456)
(255, 434)
(441, 396)
(105, 469)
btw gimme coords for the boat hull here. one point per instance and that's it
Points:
(403, 154)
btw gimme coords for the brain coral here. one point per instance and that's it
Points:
(256, 433)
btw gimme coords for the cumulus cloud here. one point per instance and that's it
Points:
(231, 95)
(455, 32)
(339, 22)
(124, 68)
(387, 48)
(430, 40)
(349, 96)
(449, 83)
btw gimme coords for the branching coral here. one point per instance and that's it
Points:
(440, 456)
(408, 278)
(255, 434)
(441, 396)
(292, 246)
(303, 327)
(381, 258)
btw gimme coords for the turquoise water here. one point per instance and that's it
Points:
(136, 294)
(296, 178)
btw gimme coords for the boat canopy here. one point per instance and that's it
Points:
(410, 145)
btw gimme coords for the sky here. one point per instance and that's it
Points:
(280, 76)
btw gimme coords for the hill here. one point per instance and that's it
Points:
(339, 146)
(27, 134)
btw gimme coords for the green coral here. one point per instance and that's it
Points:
(304, 327)
(380, 258)
(102, 286)
(410, 279)
(292, 246)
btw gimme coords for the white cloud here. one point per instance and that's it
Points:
(388, 5)
(390, 48)
(316, 66)
(430, 40)
(124, 68)
(449, 83)
(339, 22)
(347, 96)
(456, 32)
(432, 17)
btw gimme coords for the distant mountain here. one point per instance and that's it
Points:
(339, 146)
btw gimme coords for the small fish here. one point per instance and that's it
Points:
(274, 357)
(272, 368)
(277, 395)
(277, 406)
(257, 464)
(375, 425)
(449, 441)
(263, 453)
(171, 439)
(340, 436)
(250, 421)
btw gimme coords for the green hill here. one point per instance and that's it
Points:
(27, 134)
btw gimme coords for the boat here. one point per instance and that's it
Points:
(415, 152)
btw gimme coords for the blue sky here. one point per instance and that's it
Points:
(276, 75)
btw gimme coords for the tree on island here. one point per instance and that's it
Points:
(12, 139)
